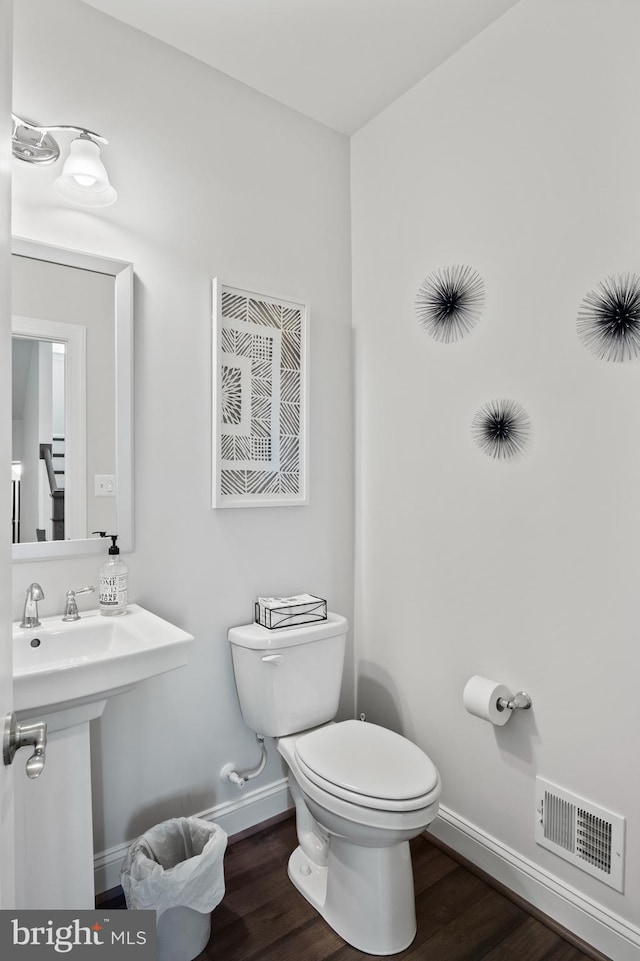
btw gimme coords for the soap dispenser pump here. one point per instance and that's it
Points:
(114, 580)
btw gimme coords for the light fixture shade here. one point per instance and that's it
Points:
(84, 179)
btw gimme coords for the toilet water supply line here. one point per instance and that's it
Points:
(240, 778)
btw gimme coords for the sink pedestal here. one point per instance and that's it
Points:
(53, 823)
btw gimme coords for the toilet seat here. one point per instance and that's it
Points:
(368, 765)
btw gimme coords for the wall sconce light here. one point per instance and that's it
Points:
(84, 179)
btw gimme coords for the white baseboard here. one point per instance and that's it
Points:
(243, 812)
(588, 920)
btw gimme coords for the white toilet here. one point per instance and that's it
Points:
(361, 791)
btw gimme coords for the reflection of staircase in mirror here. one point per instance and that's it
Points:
(55, 472)
(57, 453)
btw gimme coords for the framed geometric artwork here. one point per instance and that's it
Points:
(260, 403)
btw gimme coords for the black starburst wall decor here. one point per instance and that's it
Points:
(609, 318)
(449, 302)
(501, 429)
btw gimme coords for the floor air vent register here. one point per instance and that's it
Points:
(581, 832)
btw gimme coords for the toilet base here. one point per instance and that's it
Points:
(365, 894)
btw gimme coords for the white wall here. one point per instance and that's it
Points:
(213, 180)
(519, 156)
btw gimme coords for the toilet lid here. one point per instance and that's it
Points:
(368, 760)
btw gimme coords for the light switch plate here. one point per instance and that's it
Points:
(105, 485)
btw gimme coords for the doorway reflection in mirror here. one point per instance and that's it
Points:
(72, 326)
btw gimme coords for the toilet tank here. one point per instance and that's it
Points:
(289, 679)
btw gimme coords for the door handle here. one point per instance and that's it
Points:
(23, 735)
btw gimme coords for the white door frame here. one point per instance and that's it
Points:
(7, 845)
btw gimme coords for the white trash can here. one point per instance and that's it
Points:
(176, 869)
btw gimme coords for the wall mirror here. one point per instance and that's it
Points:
(72, 401)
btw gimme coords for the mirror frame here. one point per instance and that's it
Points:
(122, 272)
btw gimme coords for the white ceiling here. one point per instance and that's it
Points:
(338, 61)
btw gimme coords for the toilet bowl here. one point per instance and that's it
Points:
(361, 793)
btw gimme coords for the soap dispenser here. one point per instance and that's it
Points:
(114, 580)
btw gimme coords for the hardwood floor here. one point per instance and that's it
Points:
(460, 917)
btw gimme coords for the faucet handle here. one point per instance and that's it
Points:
(71, 607)
(83, 590)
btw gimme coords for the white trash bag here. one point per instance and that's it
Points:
(176, 863)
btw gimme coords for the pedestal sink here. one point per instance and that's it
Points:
(64, 674)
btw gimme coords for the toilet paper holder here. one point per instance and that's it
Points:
(519, 702)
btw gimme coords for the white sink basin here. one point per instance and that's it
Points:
(78, 662)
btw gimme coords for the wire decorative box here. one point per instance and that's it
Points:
(273, 612)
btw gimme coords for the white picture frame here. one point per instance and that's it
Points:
(259, 437)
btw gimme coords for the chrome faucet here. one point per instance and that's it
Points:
(70, 607)
(30, 615)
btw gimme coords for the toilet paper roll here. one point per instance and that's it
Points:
(480, 698)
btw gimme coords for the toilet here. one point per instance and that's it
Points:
(361, 792)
